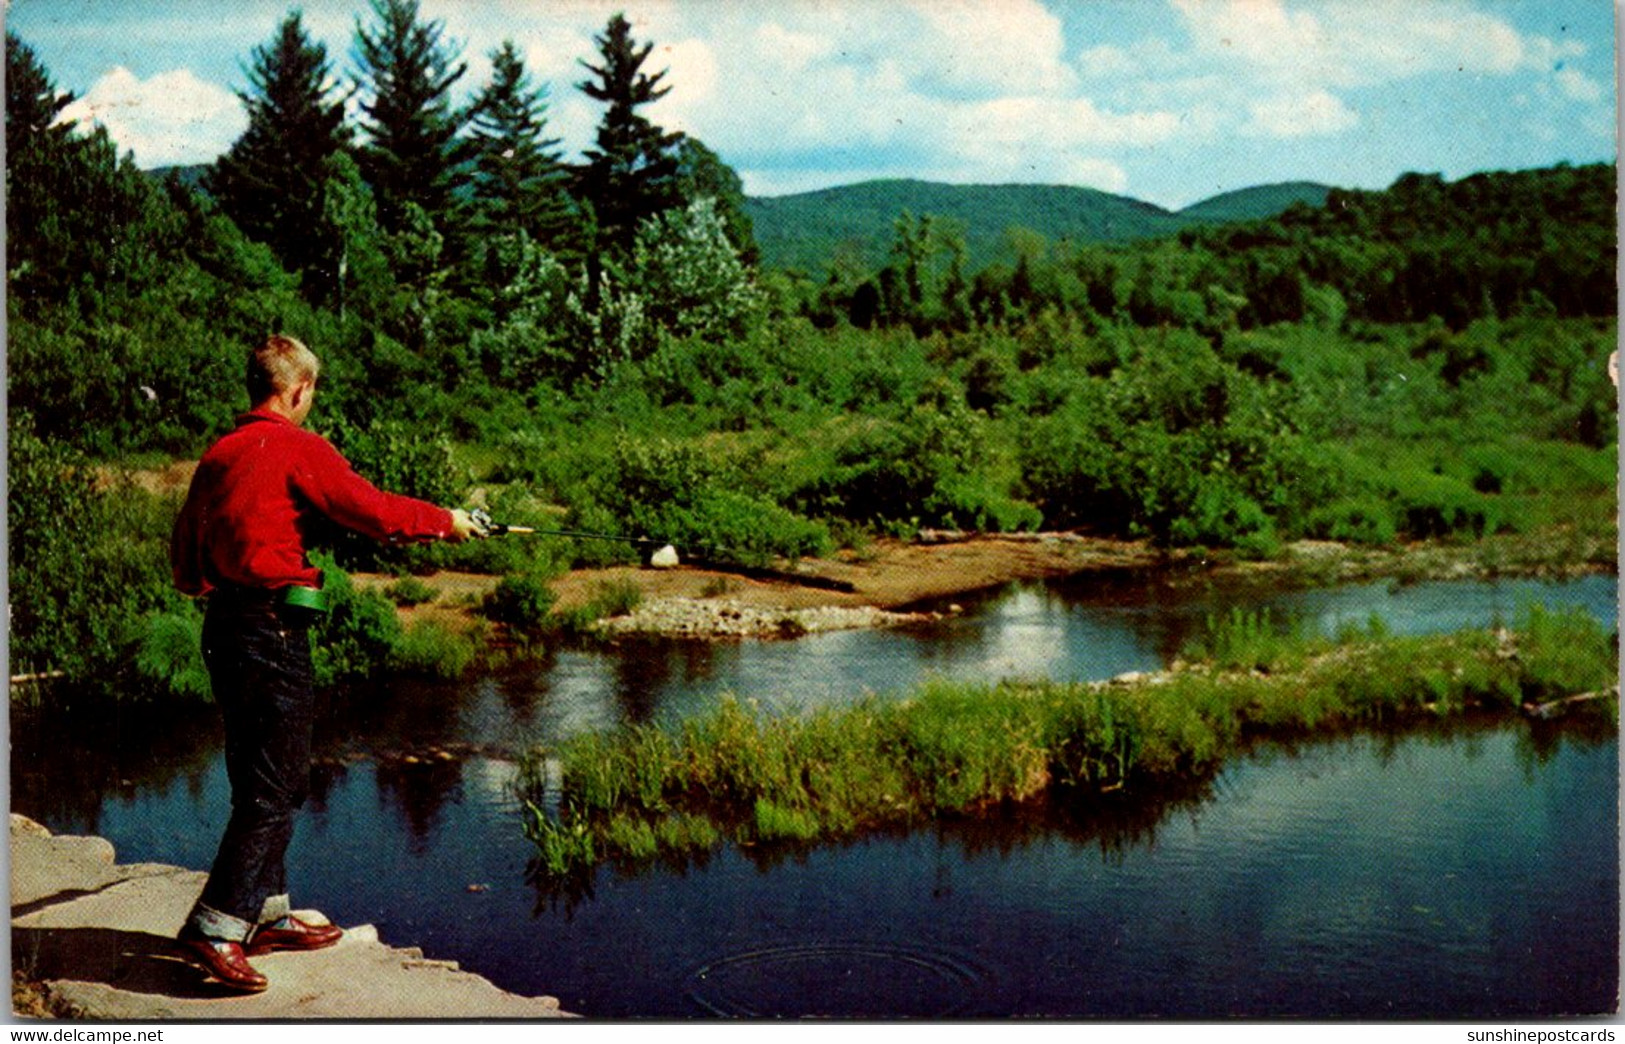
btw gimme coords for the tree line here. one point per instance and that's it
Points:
(410, 218)
(1492, 245)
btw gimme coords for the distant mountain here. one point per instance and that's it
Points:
(1257, 203)
(808, 230)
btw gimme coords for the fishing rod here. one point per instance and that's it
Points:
(663, 557)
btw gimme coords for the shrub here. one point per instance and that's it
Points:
(1360, 520)
(169, 654)
(430, 648)
(521, 602)
(87, 565)
(673, 492)
(401, 457)
(936, 467)
(355, 637)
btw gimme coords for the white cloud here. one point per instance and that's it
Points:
(980, 48)
(1064, 122)
(945, 89)
(691, 79)
(1351, 44)
(172, 117)
(1317, 113)
(1578, 86)
(795, 51)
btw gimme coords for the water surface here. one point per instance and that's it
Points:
(1468, 873)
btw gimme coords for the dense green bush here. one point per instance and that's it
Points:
(934, 467)
(675, 493)
(1178, 445)
(521, 602)
(88, 561)
(355, 637)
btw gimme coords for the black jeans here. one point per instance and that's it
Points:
(258, 654)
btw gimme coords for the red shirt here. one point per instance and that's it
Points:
(258, 493)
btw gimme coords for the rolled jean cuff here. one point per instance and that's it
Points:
(216, 925)
(275, 908)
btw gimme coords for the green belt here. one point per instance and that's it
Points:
(313, 598)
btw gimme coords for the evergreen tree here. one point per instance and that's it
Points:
(35, 146)
(519, 181)
(81, 221)
(270, 183)
(632, 174)
(32, 102)
(413, 153)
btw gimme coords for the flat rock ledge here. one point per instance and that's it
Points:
(99, 939)
(725, 618)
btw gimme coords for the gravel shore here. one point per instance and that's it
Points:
(727, 618)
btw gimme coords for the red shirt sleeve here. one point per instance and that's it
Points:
(325, 479)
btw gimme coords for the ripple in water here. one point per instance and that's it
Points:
(838, 980)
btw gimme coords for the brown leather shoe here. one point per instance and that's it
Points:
(224, 961)
(290, 933)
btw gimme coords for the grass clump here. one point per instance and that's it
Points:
(1248, 640)
(776, 822)
(1564, 652)
(409, 591)
(953, 749)
(432, 649)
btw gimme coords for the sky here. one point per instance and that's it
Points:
(1166, 101)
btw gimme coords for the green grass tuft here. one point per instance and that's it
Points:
(954, 749)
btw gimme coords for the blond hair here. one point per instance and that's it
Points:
(279, 364)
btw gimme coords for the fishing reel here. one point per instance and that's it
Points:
(489, 526)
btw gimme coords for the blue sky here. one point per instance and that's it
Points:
(1169, 101)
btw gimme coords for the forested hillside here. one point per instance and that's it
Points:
(601, 345)
(811, 231)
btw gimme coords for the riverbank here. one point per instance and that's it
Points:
(94, 939)
(883, 585)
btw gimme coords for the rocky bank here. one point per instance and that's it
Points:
(94, 939)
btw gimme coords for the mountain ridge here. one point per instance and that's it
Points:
(810, 230)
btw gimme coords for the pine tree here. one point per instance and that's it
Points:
(81, 222)
(32, 102)
(35, 144)
(632, 174)
(413, 153)
(270, 182)
(519, 181)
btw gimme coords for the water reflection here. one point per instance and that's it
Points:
(65, 766)
(1350, 871)
(1420, 877)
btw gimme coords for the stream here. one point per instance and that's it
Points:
(1460, 872)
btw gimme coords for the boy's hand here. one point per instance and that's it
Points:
(465, 526)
